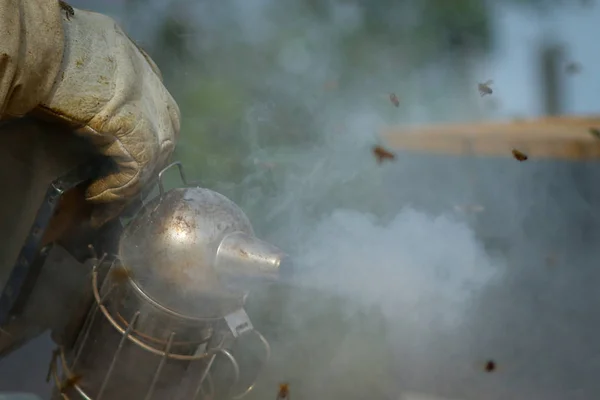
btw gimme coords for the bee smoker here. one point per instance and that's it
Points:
(167, 318)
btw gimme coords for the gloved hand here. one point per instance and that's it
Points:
(81, 67)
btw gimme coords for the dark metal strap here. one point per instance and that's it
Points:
(30, 252)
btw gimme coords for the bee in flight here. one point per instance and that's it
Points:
(394, 99)
(382, 154)
(284, 391)
(484, 88)
(490, 366)
(69, 11)
(519, 156)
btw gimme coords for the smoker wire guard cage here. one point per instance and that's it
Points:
(64, 372)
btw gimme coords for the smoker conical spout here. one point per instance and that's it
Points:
(242, 256)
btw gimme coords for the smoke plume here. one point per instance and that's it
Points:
(384, 288)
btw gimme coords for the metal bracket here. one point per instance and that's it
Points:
(30, 252)
(161, 188)
(239, 322)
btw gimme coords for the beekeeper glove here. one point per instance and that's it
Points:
(81, 67)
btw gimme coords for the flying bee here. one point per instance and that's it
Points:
(490, 366)
(284, 391)
(382, 154)
(595, 132)
(519, 156)
(394, 99)
(484, 88)
(69, 11)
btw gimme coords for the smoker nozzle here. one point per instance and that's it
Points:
(242, 256)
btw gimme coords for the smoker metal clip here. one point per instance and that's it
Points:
(239, 322)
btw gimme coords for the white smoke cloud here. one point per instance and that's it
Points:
(421, 271)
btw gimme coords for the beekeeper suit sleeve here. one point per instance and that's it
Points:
(81, 68)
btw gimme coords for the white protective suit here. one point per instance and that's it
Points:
(79, 66)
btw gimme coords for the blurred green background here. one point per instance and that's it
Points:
(220, 78)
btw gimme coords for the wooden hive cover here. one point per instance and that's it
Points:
(566, 137)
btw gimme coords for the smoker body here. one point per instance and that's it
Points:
(171, 306)
(133, 348)
(128, 319)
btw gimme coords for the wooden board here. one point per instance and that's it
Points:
(551, 137)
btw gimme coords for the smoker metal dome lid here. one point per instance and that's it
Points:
(170, 248)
